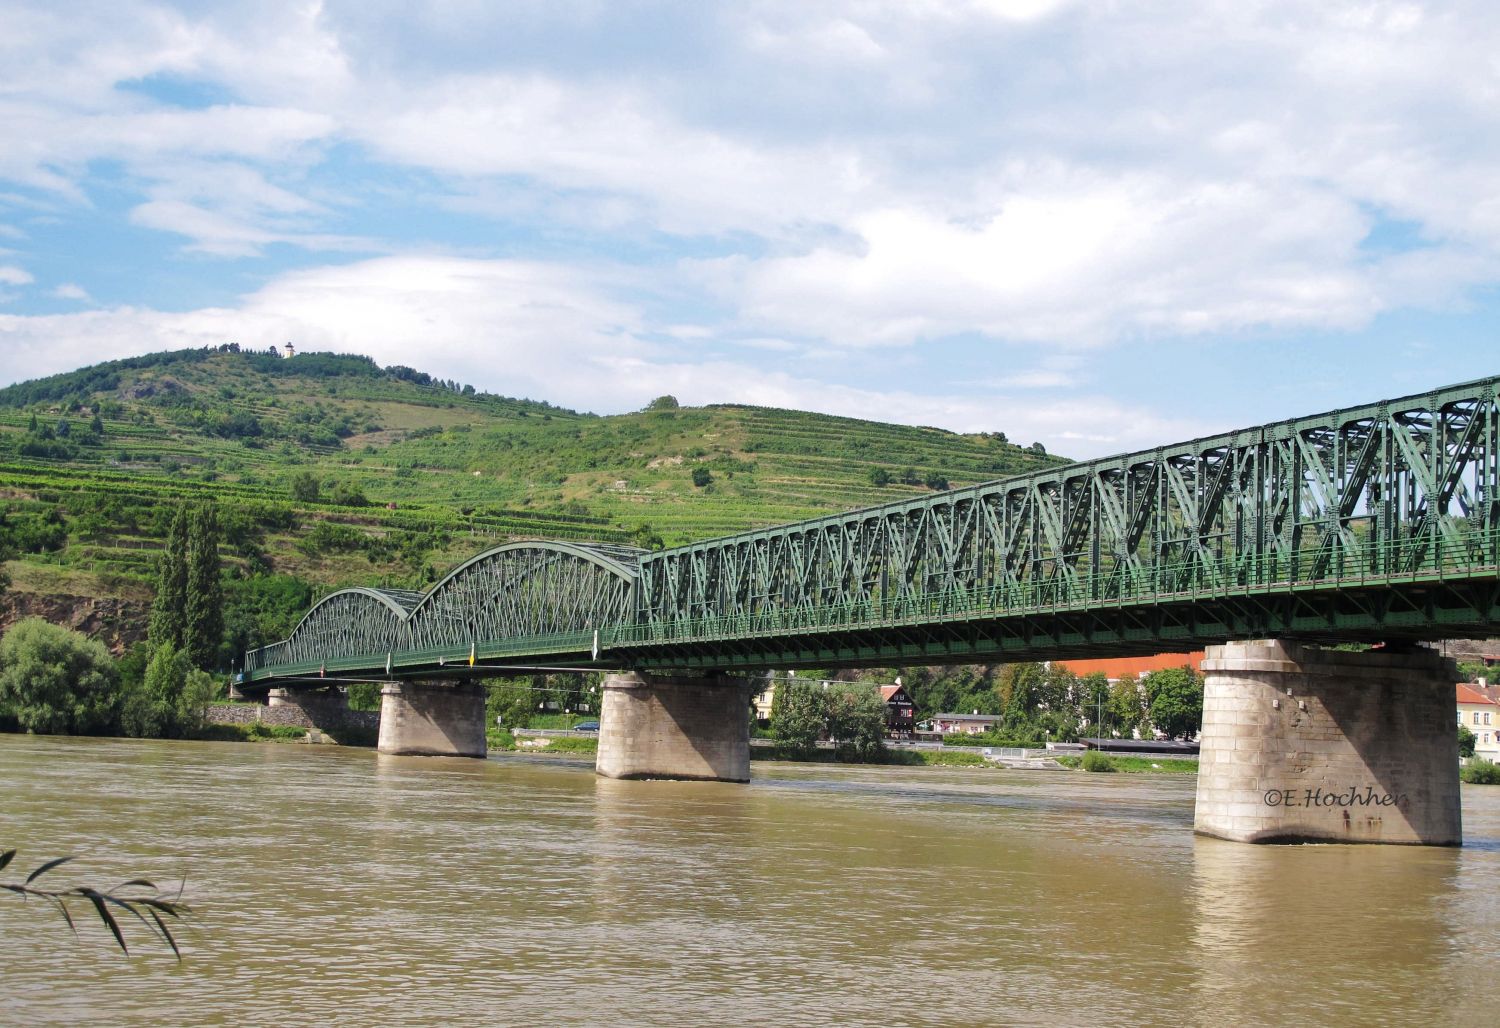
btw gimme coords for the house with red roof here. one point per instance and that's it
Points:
(1479, 712)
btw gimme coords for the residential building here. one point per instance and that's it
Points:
(900, 713)
(967, 724)
(1479, 712)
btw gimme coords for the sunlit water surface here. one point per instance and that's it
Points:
(336, 886)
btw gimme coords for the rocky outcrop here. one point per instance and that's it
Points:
(116, 623)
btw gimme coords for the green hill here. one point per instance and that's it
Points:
(330, 470)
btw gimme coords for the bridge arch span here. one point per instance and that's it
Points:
(527, 589)
(351, 622)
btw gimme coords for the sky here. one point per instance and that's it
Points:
(1101, 226)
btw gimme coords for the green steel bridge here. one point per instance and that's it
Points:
(1379, 522)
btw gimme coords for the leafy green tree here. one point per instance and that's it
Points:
(363, 696)
(168, 625)
(1093, 703)
(1466, 742)
(1472, 670)
(778, 701)
(1125, 711)
(7, 551)
(513, 700)
(856, 719)
(55, 681)
(171, 700)
(150, 711)
(702, 477)
(305, 487)
(803, 714)
(1175, 701)
(645, 538)
(880, 476)
(664, 402)
(203, 602)
(348, 494)
(263, 609)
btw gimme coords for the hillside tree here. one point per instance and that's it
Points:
(168, 625)
(203, 606)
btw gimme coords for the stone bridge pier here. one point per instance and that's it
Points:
(432, 719)
(1302, 744)
(661, 726)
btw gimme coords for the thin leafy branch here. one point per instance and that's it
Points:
(138, 897)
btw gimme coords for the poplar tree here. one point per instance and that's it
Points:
(188, 612)
(203, 608)
(168, 626)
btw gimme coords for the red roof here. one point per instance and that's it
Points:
(1468, 694)
(887, 691)
(1122, 667)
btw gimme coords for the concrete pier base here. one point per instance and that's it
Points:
(1303, 744)
(432, 719)
(656, 726)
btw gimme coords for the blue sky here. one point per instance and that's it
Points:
(1101, 226)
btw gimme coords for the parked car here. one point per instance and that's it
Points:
(586, 726)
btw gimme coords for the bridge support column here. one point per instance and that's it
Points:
(432, 719)
(1303, 744)
(658, 726)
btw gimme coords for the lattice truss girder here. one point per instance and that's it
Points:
(514, 591)
(1340, 504)
(1391, 489)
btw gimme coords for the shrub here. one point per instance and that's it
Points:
(1093, 760)
(1481, 772)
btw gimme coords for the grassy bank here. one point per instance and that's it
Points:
(1132, 765)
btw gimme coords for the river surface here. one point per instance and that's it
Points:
(338, 886)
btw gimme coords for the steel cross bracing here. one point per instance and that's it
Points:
(1379, 522)
(529, 591)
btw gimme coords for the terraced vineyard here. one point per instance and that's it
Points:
(330, 470)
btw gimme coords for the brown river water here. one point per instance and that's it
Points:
(337, 886)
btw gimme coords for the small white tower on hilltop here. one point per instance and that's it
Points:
(290, 351)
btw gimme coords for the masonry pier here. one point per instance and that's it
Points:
(1302, 744)
(432, 719)
(660, 726)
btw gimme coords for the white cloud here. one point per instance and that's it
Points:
(11, 275)
(839, 176)
(544, 331)
(72, 291)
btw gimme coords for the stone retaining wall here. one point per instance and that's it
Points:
(290, 714)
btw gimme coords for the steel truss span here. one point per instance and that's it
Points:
(1377, 522)
(519, 590)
